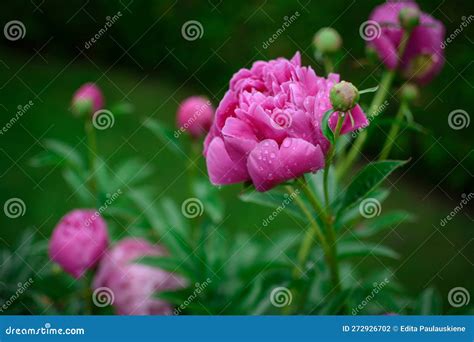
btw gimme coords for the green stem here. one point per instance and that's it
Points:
(192, 172)
(328, 65)
(392, 135)
(92, 152)
(377, 101)
(328, 161)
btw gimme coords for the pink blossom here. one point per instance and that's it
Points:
(424, 55)
(87, 96)
(195, 115)
(134, 285)
(267, 127)
(78, 241)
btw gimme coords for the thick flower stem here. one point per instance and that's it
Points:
(328, 161)
(330, 248)
(377, 101)
(392, 135)
(92, 152)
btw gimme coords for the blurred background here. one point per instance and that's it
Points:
(143, 58)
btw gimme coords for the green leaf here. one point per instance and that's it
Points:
(349, 249)
(316, 182)
(367, 180)
(208, 194)
(325, 126)
(380, 223)
(166, 135)
(78, 185)
(130, 172)
(58, 153)
(173, 216)
(429, 303)
(272, 199)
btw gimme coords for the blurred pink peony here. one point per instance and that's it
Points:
(195, 115)
(424, 55)
(78, 241)
(267, 127)
(87, 98)
(134, 285)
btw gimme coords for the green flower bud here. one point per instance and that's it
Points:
(327, 40)
(82, 107)
(409, 92)
(344, 96)
(409, 18)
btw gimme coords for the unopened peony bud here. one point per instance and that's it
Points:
(409, 17)
(78, 241)
(327, 40)
(87, 100)
(195, 115)
(409, 92)
(344, 96)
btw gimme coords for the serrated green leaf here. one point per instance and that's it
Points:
(367, 180)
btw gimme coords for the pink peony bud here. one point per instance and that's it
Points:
(195, 115)
(424, 55)
(267, 128)
(133, 285)
(87, 100)
(78, 241)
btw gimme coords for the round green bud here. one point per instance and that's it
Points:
(409, 18)
(409, 92)
(344, 96)
(327, 40)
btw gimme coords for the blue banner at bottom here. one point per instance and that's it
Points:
(238, 328)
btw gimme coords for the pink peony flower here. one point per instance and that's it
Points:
(78, 241)
(134, 285)
(267, 127)
(87, 97)
(424, 55)
(195, 115)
